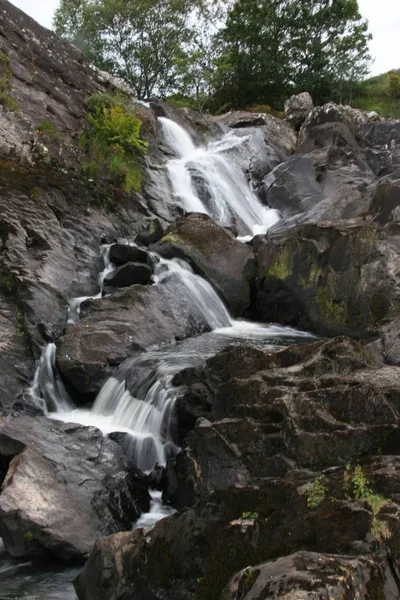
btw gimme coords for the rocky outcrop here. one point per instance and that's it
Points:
(214, 254)
(297, 455)
(334, 278)
(308, 575)
(297, 109)
(63, 486)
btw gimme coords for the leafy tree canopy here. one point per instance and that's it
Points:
(233, 53)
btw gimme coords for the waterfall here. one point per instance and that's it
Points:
(74, 309)
(47, 389)
(144, 412)
(206, 180)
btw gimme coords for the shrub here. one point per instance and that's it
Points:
(394, 85)
(265, 109)
(316, 492)
(6, 99)
(356, 487)
(112, 141)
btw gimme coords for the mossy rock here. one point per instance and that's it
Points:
(332, 278)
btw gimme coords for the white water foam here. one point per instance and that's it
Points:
(225, 194)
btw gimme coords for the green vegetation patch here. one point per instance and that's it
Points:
(6, 99)
(356, 487)
(281, 267)
(112, 141)
(380, 94)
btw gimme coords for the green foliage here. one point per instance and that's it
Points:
(112, 142)
(47, 128)
(394, 85)
(316, 492)
(379, 94)
(6, 99)
(356, 487)
(265, 109)
(249, 515)
(273, 48)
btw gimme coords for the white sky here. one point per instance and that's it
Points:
(383, 17)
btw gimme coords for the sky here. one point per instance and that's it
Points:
(383, 17)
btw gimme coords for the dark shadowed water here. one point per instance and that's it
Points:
(24, 580)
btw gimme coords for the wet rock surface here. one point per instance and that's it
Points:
(123, 325)
(269, 485)
(63, 486)
(214, 254)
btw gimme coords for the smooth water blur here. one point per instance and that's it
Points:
(23, 580)
(140, 399)
(225, 194)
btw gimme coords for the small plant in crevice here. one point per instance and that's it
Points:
(356, 488)
(249, 515)
(112, 141)
(46, 128)
(6, 99)
(316, 492)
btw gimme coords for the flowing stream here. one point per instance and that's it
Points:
(139, 399)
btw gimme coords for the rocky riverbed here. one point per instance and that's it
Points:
(184, 346)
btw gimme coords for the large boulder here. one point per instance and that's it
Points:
(122, 325)
(334, 278)
(63, 487)
(297, 109)
(328, 178)
(305, 576)
(215, 255)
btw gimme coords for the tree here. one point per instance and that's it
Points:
(275, 47)
(252, 66)
(139, 40)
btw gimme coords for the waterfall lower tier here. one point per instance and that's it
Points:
(140, 399)
(207, 180)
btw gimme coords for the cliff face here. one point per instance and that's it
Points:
(52, 216)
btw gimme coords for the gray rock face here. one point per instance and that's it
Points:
(65, 486)
(215, 255)
(335, 278)
(297, 109)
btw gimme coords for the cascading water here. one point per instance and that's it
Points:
(145, 411)
(225, 193)
(74, 310)
(139, 400)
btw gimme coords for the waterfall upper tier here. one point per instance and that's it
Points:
(207, 180)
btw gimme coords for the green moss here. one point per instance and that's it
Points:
(112, 142)
(313, 277)
(29, 537)
(331, 312)
(281, 267)
(7, 283)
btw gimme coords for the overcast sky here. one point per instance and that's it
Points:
(383, 17)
